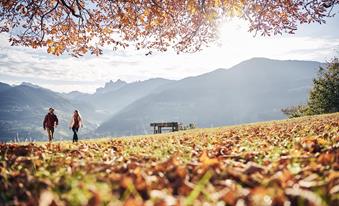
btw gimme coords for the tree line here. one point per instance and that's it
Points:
(324, 95)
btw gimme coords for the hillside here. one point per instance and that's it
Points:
(254, 90)
(115, 96)
(290, 162)
(4, 86)
(23, 107)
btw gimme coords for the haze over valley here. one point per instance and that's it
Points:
(251, 91)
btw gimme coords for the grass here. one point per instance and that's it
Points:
(287, 162)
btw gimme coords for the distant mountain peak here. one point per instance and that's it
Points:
(268, 60)
(111, 86)
(119, 81)
(4, 86)
(30, 85)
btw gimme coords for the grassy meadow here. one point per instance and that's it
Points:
(288, 162)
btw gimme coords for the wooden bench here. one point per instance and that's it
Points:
(159, 125)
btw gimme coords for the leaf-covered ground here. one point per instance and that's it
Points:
(290, 162)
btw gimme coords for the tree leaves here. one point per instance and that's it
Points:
(285, 162)
(81, 26)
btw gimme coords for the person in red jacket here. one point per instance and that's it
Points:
(50, 121)
(75, 124)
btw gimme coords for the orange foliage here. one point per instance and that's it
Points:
(81, 26)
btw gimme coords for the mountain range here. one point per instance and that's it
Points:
(253, 90)
(115, 96)
(23, 107)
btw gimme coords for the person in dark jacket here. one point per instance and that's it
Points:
(75, 124)
(50, 121)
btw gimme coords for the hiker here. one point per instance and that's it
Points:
(75, 124)
(50, 121)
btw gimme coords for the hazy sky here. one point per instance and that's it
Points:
(66, 73)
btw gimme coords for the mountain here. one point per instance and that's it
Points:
(254, 90)
(74, 95)
(111, 86)
(31, 85)
(114, 101)
(4, 86)
(23, 107)
(117, 95)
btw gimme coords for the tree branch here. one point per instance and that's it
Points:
(70, 9)
(42, 20)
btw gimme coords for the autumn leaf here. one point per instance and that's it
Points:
(206, 161)
(237, 165)
(184, 26)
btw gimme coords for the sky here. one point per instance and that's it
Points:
(235, 44)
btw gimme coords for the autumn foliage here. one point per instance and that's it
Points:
(290, 162)
(81, 26)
